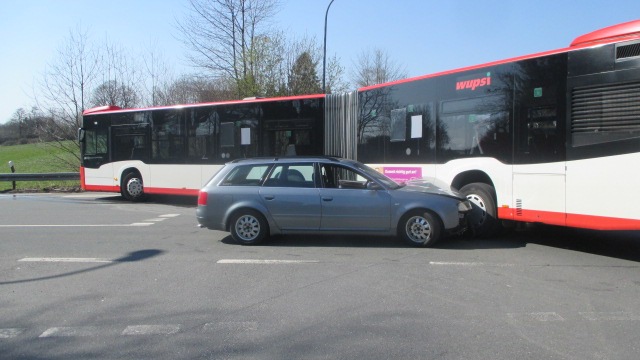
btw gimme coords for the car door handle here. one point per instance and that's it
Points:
(269, 197)
(327, 198)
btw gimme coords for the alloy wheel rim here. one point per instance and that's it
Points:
(247, 227)
(418, 229)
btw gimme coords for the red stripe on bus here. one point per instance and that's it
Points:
(592, 222)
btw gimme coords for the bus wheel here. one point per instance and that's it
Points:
(483, 218)
(248, 227)
(420, 228)
(132, 187)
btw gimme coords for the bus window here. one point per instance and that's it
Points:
(202, 129)
(94, 147)
(474, 127)
(539, 137)
(167, 138)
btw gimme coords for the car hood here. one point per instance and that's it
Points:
(426, 186)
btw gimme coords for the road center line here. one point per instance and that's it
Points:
(254, 261)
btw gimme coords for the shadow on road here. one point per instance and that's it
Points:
(617, 244)
(139, 255)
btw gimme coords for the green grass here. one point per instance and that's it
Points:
(38, 158)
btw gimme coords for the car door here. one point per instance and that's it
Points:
(347, 205)
(291, 196)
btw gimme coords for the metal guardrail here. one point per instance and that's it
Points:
(40, 176)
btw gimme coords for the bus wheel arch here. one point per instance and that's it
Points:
(132, 186)
(479, 189)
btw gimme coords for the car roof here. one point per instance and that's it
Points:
(289, 159)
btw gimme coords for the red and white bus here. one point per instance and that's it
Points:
(552, 137)
(176, 149)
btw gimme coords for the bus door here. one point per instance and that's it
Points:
(539, 170)
(94, 142)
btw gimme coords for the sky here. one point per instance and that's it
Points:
(421, 36)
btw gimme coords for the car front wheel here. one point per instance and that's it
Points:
(420, 228)
(248, 227)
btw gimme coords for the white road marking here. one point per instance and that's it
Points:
(537, 316)
(457, 263)
(151, 330)
(169, 215)
(136, 224)
(70, 331)
(226, 326)
(253, 261)
(75, 225)
(71, 260)
(11, 333)
(610, 316)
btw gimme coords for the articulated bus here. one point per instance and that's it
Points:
(550, 138)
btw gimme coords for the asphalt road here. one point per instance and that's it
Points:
(90, 275)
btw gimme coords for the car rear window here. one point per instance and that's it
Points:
(245, 175)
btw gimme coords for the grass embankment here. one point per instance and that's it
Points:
(38, 158)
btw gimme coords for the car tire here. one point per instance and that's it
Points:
(248, 227)
(420, 228)
(482, 218)
(132, 187)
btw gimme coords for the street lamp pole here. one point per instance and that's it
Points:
(324, 59)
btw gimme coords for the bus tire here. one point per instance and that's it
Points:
(248, 227)
(420, 228)
(483, 218)
(132, 187)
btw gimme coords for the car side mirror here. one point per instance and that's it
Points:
(371, 185)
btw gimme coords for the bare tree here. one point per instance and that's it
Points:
(112, 92)
(194, 89)
(158, 75)
(121, 79)
(376, 67)
(335, 76)
(222, 36)
(65, 90)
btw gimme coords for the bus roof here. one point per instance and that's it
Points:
(116, 109)
(625, 31)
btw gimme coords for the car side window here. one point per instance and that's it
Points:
(292, 175)
(245, 175)
(340, 177)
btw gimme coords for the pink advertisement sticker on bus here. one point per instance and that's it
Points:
(400, 174)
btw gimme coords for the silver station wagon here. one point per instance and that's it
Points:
(255, 198)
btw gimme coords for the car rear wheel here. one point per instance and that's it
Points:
(248, 227)
(420, 228)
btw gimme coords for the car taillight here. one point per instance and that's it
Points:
(202, 197)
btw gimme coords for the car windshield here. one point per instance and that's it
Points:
(376, 175)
